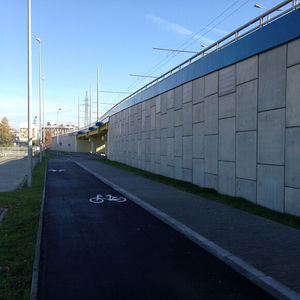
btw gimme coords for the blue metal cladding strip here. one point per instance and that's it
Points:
(278, 32)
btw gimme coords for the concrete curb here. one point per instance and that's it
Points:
(36, 263)
(265, 282)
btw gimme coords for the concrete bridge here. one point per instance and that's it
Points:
(227, 120)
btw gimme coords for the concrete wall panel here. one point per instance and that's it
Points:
(293, 96)
(198, 90)
(187, 90)
(188, 119)
(198, 112)
(226, 178)
(227, 139)
(247, 70)
(270, 186)
(178, 141)
(246, 189)
(227, 106)
(246, 155)
(292, 163)
(271, 132)
(198, 140)
(293, 53)
(246, 106)
(292, 201)
(211, 154)
(272, 77)
(198, 172)
(187, 161)
(211, 84)
(178, 93)
(211, 114)
(227, 80)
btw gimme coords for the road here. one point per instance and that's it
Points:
(117, 250)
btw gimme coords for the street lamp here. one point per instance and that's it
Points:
(40, 104)
(29, 170)
(261, 7)
(44, 134)
(57, 137)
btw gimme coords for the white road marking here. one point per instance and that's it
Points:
(100, 199)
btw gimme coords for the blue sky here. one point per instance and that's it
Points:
(117, 36)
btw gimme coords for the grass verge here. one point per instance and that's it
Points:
(236, 202)
(18, 232)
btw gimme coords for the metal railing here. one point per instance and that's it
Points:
(223, 42)
(16, 151)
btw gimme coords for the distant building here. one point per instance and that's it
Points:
(53, 128)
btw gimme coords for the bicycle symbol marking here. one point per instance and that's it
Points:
(100, 199)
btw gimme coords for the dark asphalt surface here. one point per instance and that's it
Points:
(119, 251)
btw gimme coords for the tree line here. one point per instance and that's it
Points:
(6, 136)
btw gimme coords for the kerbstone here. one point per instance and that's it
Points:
(292, 163)
(293, 53)
(247, 70)
(227, 80)
(178, 97)
(178, 141)
(226, 178)
(170, 99)
(271, 132)
(211, 181)
(211, 154)
(246, 189)
(270, 186)
(198, 112)
(211, 114)
(227, 106)
(227, 139)
(246, 106)
(293, 96)
(198, 90)
(188, 119)
(272, 77)
(198, 140)
(187, 91)
(187, 161)
(211, 84)
(292, 201)
(198, 172)
(246, 155)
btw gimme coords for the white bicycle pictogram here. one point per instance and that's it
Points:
(100, 199)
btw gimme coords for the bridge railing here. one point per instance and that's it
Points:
(270, 15)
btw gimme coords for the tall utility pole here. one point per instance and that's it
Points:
(86, 109)
(98, 94)
(29, 171)
(44, 133)
(78, 112)
(40, 103)
(90, 104)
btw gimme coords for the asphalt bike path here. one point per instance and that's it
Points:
(96, 244)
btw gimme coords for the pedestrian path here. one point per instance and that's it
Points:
(13, 173)
(266, 252)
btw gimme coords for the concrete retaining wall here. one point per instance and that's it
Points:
(236, 130)
(66, 143)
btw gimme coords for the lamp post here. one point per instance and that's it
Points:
(29, 170)
(57, 138)
(44, 133)
(40, 102)
(261, 7)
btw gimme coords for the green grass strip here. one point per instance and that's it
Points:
(236, 202)
(18, 232)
